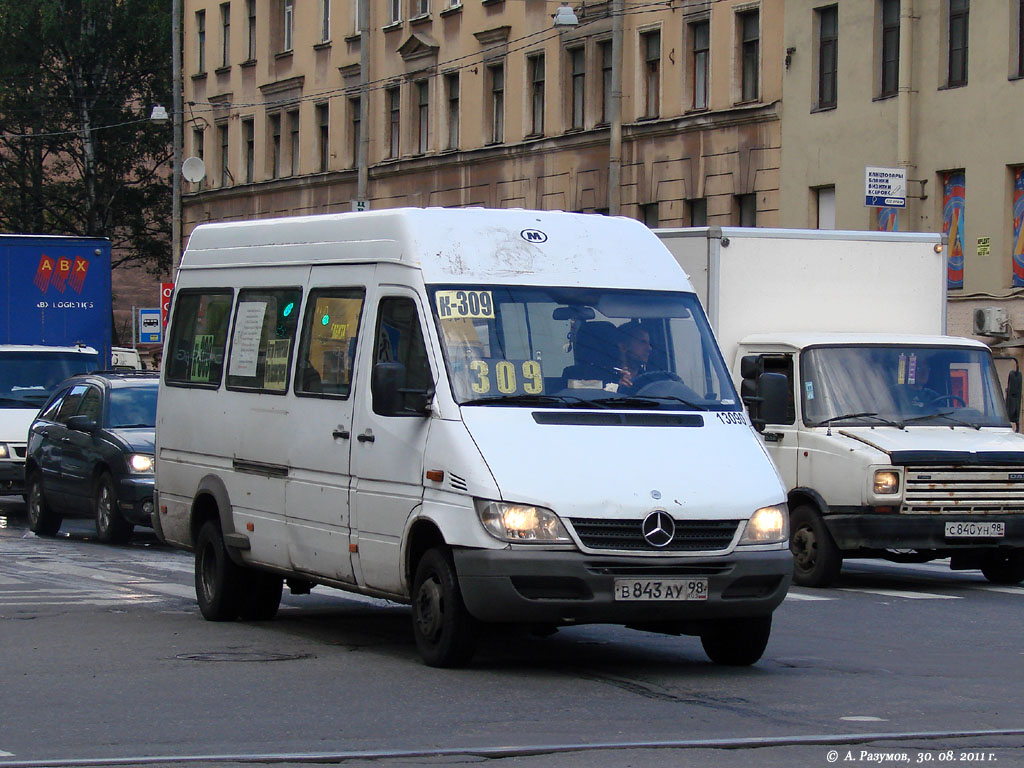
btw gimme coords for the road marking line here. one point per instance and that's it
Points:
(802, 596)
(898, 593)
(1004, 590)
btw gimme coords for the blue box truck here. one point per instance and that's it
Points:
(55, 321)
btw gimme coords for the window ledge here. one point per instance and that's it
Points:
(423, 18)
(485, 3)
(355, 37)
(322, 46)
(1019, 76)
(452, 11)
(697, 110)
(747, 102)
(948, 87)
(223, 70)
(829, 108)
(884, 96)
(198, 76)
(392, 26)
(284, 54)
(248, 63)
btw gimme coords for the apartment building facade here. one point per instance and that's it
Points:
(484, 103)
(935, 87)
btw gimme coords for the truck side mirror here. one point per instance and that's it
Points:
(773, 392)
(392, 398)
(1014, 388)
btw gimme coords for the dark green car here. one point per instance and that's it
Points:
(90, 454)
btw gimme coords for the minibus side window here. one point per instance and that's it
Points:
(263, 339)
(400, 340)
(327, 349)
(199, 333)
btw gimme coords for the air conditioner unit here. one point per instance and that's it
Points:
(991, 321)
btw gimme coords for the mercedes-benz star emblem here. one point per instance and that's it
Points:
(659, 528)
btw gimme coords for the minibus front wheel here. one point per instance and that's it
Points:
(446, 635)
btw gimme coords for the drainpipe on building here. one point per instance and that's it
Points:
(364, 108)
(615, 143)
(176, 136)
(904, 156)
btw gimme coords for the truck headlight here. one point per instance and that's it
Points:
(887, 481)
(5, 452)
(768, 525)
(521, 523)
(140, 463)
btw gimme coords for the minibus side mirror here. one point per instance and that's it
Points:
(82, 424)
(392, 398)
(1014, 389)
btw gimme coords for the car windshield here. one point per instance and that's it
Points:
(580, 347)
(901, 384)
(28, 378)
(132, 407)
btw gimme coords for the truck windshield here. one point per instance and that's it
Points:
(28, 378)
(580, 347)
(901, 384)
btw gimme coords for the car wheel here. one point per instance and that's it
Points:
(261, 596)
(816, 558)
(1004, 567)
(446, 635)
(218, 579)
(737, 642)
(42, 518)
(111, 527)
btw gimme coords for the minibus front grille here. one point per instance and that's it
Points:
(628, 535)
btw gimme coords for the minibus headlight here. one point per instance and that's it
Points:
(140, 463)
(5, 452)
(887, 481)
(521, 523)
(768, 525)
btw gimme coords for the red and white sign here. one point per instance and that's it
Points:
(166, 289)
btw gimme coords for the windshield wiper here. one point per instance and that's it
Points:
(528, 400)
(944, 414)
(863, 415)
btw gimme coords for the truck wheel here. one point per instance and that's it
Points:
(446, 635)
(42, 519)
(737, 642)
(1004, 567)
(261, 596)
(218, 579)
(111, 527)
(816, 558)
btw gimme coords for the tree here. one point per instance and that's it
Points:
(78, 154)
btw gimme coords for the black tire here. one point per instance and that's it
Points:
(446, 635)
(111, 527)
(1004, 566)
(737, 642)
(42, 518)
(261, 596)
(218, 579)
(816, 558)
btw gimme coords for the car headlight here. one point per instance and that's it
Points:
(5, 452)
(768, 525)
(140, 462)
(521, 523)
(887, 481)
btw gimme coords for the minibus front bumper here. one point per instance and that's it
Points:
(564, 587)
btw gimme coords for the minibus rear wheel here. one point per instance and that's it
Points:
(261, 596)
(218, 579)
(737, 642)
(446, 635)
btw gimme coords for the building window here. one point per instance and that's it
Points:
(889, 65)
(418, 8)
(825, 207)
(422, 116)
(746, 210)
(200, 42)
(1017, 224)
(225, 34)
(651, 46)
(355, 120)
(323, 137)
(249, 131)
(274, 129)
(451, 87)
(959, 11)
(251, 12)
(649, 215)
(1020, 38)
(293, 142)
(700, 36)
(222, 143)
(535, 66)
(578, 86)
(395, 7)
(496, 77)
(393, 98)
(750, 55)
(605, 55)
(954, 196)
(288, 24)
(325, 20)
(828, 55)
(697, 208)
(198, 137)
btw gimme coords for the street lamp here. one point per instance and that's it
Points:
(565, 16)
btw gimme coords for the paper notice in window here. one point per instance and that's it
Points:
(245, 343)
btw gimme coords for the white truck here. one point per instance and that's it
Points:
(897, 442)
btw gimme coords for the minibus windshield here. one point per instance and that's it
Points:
(562, 347)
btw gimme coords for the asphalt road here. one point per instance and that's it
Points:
(105, 660)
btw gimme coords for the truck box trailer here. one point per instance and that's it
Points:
(897, 442)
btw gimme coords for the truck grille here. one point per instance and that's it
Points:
(690, 535)
(963, 490)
